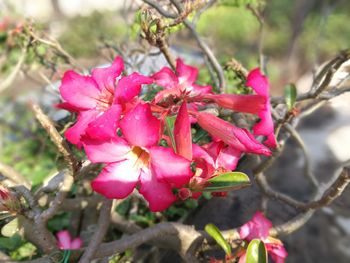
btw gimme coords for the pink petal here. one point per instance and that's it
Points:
(265, 126)
(182, 133)
(228, 158)
(200, 153)
(130, 86)
(203, 161)
(170, 167)
(106, 77)
(258, 82)
(158, 194)
(64, 239)
(79, 91)
(277, 252)
(140, 127)
(74, 133)
(117, 180)
(76, 243)
(258, 227)
(105, 126)
(68, 107)
(185, 72)
(244, 230)
(167, 93)
(271, 141)
(166, 78)
(109, 151)
(201, 90)
(242, 103)
(243, 258)
(238, 138)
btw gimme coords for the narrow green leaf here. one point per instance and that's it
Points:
(169, 125)
(290, 95)
(215, 233)
(256, 252)
(227, 181)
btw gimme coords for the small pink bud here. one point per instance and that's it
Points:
(184, 193)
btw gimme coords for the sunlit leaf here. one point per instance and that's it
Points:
(227, 181)
(215, 233)
(290, 95)
(256, 252)
(10, 228)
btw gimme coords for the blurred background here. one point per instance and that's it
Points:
(296, 38)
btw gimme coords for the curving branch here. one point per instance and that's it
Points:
(56, 138)
(329, 195)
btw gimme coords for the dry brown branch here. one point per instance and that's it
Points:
(74, 204)
(59, 198)
(182, 238)
(13, 175)
(328, 196)
(100, 232)
(57, 139)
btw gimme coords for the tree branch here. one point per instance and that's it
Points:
(100, 232)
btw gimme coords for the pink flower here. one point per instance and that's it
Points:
(137, 159)
(98, 100)
(258, 228)
(240, 139)
(65, 242)
(264, 127)
(180, 83)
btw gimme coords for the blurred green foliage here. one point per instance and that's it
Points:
(26, 146)
(233, 30)
(85, 33)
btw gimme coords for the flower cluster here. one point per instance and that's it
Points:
(131, 136)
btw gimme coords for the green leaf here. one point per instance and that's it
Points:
(256, 252)
(169, 124)
(10, 243)
(290, 95)
(25, 251)
(227, 181)
(215, 233)
(10, 228)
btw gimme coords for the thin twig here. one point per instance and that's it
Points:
(55, 137)
(160, 10)
(10, 78)
(307, 166)
(13, 175)
(59, 198)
